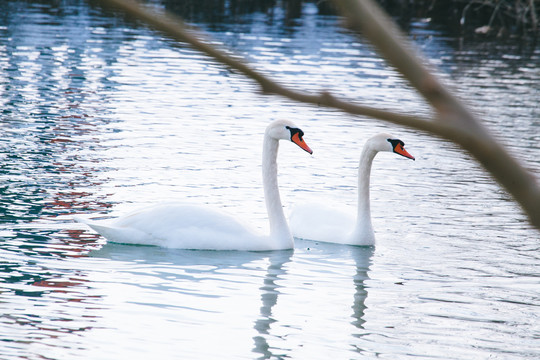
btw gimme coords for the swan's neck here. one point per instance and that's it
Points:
(279, 229)
(363, 232)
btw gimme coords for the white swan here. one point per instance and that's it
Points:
(322, 223)
(194, 227)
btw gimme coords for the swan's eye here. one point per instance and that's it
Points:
(397, 147)
(295, 131)
(396, 144)
(296, 137)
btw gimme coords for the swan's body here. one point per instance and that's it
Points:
(185, 226)
(323, 223)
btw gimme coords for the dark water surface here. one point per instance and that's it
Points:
(99, 116)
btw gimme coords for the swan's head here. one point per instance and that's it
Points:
(386, 142)
(287, 130)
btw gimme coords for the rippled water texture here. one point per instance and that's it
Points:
(100, 115)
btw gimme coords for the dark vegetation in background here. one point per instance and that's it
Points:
(481, 18)
(467, 17)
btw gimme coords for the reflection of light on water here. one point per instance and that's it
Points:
(104, 118)
(43, 303)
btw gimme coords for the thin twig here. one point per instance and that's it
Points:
(494, 13)
(534, 20)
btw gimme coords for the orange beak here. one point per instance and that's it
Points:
(300, 142)
(401, 151)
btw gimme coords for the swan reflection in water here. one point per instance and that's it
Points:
(269, 298)
(271, 290)
(192, 277)
(362, 257)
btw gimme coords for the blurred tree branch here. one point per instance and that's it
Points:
(454, 120)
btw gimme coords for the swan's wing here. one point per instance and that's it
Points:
(180, 226)
(171, 216)
(313, 221)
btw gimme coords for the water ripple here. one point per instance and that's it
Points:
(100, 116)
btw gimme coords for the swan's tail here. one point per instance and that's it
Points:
(81, 219)
(112, 233)
(101, 229)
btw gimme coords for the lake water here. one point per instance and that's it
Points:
(100, 116)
